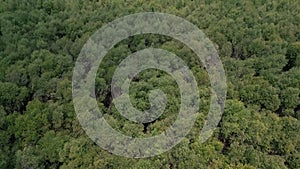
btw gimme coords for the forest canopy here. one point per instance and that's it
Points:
(258, 42)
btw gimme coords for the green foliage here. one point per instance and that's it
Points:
(258, 42)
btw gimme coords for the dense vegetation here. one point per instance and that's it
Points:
(258, 42)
